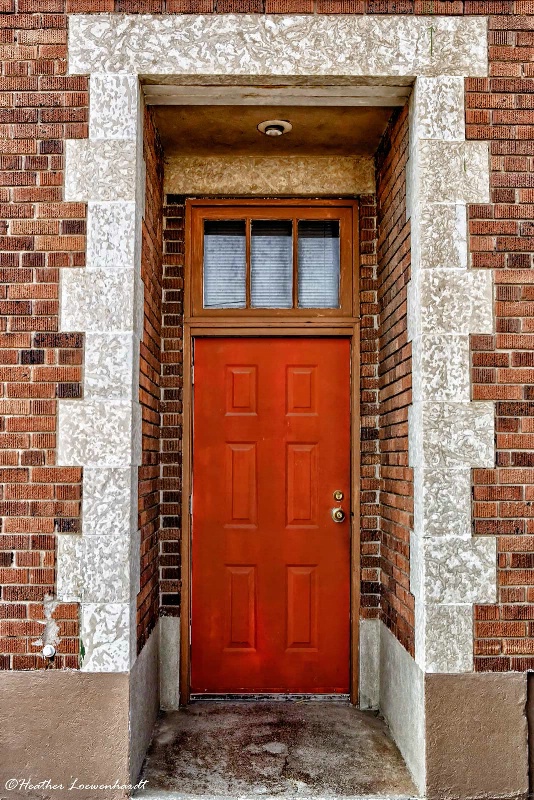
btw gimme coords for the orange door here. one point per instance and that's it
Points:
(270, 567)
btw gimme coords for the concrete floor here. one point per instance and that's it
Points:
(273, 750)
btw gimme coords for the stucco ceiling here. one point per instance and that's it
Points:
(232, 129)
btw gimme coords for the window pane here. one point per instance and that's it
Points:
(225, 264)
(272, 264)
(318, 260)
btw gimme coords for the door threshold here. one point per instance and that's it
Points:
(259, 696)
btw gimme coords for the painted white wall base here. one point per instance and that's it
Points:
(169, 663)
(369, 663)
(144, 701)
(402, 702)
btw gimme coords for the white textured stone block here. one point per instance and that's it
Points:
(441, 368)
(438, 109)
(106, 569)
(96, 569)
(248, 44)
(439, 236)
(451, 172)
(449, 638)
(69, 580)
(460, 571)
(137, 434)
(105, 637)
(141, 188)
(99, 300)
(95, 433)
(100, 170)
(451, 435)
(113, 104)
(109, 366)
(444, 301)
(417, 573)
(139, 309)
(413, 303)
(109, 501)
(442, 502)
(477, 172)
(135, 565)
(111, 235)
(411, 198)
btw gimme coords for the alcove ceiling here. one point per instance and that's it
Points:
(223, 120)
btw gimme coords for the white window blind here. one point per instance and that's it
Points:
(318, 264)
(271, 264)
(225, 264)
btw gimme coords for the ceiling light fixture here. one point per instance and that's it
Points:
(275, 127)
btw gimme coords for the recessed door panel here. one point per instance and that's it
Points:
(241, 390)
(301, 390)
(302, 606)
(302, 488)
(241, 607)
(270, 566)
(241, 483)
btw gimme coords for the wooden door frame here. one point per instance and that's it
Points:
(268, 326)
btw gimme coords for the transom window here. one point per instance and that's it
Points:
(284, 257)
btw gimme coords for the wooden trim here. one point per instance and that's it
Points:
(345, 211)
(269, 322)
(295, 288)
(260, 326)
(277, 201)
(237, 331)
(355, 571)
(185, 544)
(248, 251)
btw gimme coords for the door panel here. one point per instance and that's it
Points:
(270, 568)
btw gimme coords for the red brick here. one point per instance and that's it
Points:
(139, 6)
(340, 6)
(445, 7)
(190, 6)
(289, 6)
(89, 6)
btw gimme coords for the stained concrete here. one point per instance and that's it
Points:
(274, 749)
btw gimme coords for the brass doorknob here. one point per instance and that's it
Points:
(338, 515)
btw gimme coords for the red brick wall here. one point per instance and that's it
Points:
(369, 413)
(501, 108)
(394, 381)
(39, 235)
(171, 404)
(149, 383)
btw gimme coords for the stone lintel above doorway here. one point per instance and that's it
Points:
(285, 45)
